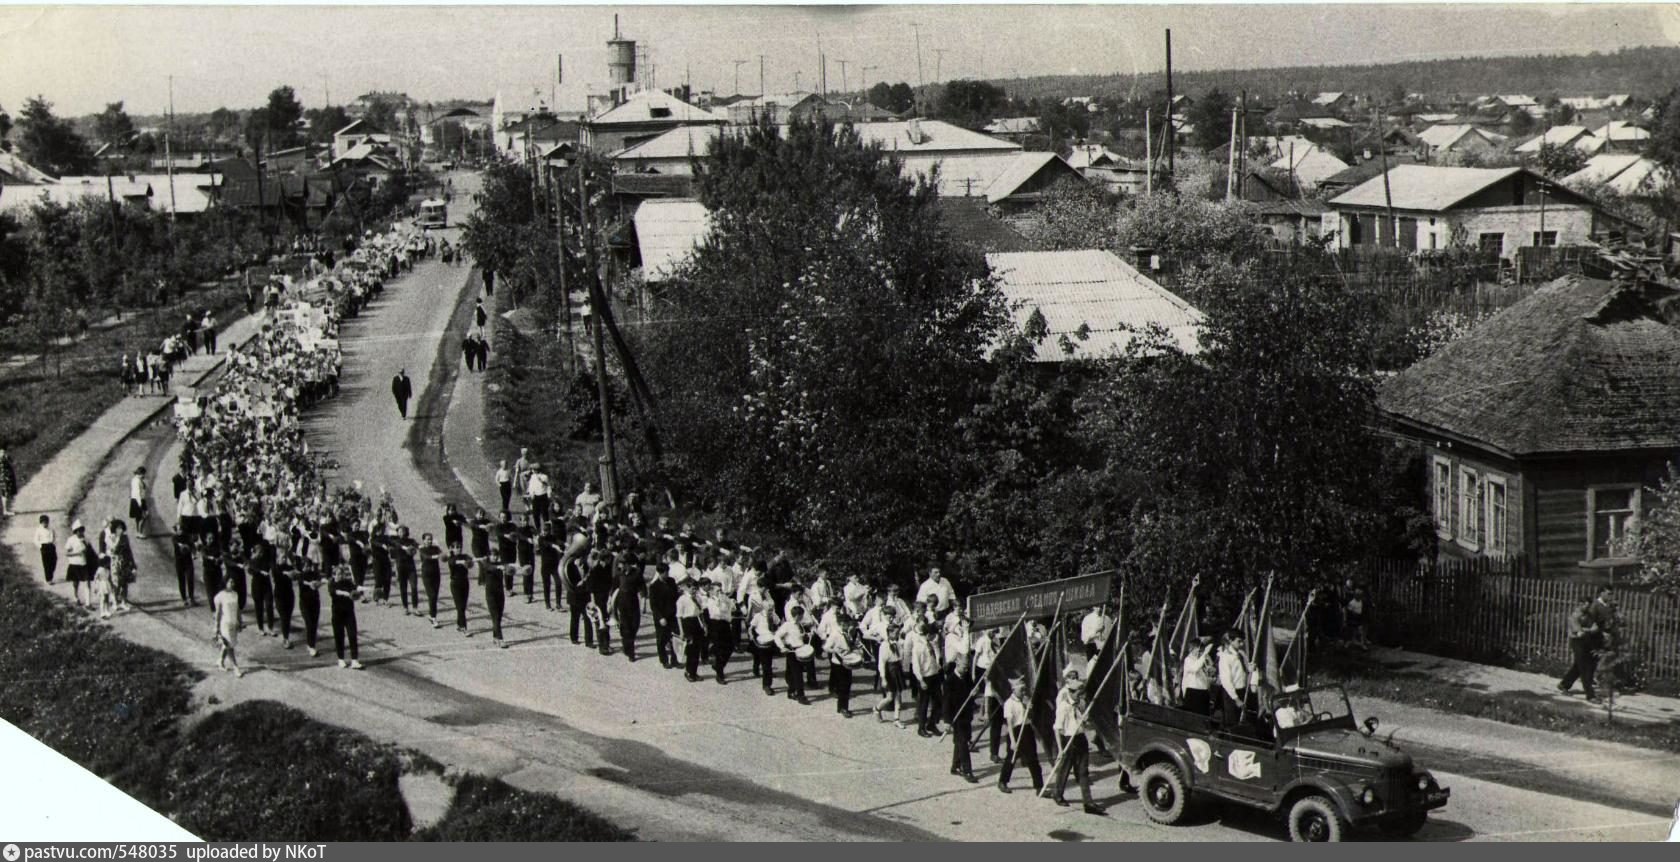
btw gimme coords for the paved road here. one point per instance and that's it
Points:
(702, 761)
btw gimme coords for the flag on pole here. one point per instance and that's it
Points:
(1013, 661)
(1270, 670)
(1108, 676)
(1245, 618)
(1042, 706)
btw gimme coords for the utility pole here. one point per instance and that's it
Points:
(1148, 155)
(1172, 133)
(920, 83)
(738, 64)
(168, 157)
(1231, 160)
(796, 80)
(761, 79)
(844, 87)
(1388, 194)
(609, 473)
(938, 64)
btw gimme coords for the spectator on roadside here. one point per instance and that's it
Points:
(226, 605)
(48, 544)
(587, 500)
(1353, 610)
(208, 328)
(504, 484)
(1585, 637)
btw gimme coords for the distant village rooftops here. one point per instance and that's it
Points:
(1092, 299)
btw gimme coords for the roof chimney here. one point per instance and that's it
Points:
(914, 129)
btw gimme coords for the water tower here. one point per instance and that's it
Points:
(621, 64)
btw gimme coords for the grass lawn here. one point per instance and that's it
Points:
(45, 404)
(1416, 688)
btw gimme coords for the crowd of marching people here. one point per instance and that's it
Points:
(150, 372)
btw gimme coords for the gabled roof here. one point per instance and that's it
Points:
(18, 171)
(1325, 123)
(1327, 99)
(1353, 176)
(1624, 174)
(1024, 168)
(458, 112)
(359, 127)
(1092, 155)
(653, 106)
(1557, 136)
(1426, 188)
(915, 137)
(1012, 126)
(968, 223)
(1581, 365)
(667, 232)
(1622, 131)
(1092, 290)
(678, 143)
(1311, 166)
(1446, 136)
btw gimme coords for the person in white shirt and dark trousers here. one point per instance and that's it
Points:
(1076, 750)
(48, 544)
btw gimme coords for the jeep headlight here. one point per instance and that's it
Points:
(1368, 796)
(1422, 782)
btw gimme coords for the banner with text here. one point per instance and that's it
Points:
(1004, 607)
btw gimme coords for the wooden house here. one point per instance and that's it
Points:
(1545, 427)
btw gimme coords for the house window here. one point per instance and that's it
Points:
(1443, 497)
(1611, 512)
(1434, 240)
(1491, 243)
(1496, 516)
(1545, 238)
(1469, 508)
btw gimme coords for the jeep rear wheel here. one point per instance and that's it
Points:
(1165, 796)
(1316, 818)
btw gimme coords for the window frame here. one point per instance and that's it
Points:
(1482, 243)
(1444, 493)
(1493, 542)
(1636, 502)
(1539, 238)
(1468, 508)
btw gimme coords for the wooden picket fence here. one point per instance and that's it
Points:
(1493, 611)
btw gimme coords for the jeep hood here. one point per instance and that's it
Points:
(1351, 745)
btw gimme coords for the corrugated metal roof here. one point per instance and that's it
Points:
(936, 137)
(1557, 136)
(192, 191)
(667, 232)
(1429, 188)
(1624, 174)
(1094, 290)
(1446, 134)
(1312, 166)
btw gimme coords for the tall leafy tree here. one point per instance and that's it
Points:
(112, 125)
(323, 122)
(1211, 115)
(972, 103)
(821, 344)
(274, 126)
(1255, 455)
(49, 142)
(897, 98)
(1560, 160)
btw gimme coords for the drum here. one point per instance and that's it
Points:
(805, 652)
(853, 659)
(764, 643)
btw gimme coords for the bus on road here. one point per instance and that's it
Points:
(433, 214)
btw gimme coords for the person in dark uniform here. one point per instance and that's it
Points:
(431, 574)
(210, 563)
(284, 595)
(489, 282)
(600, 589)
(525, 548)
(662, 603)
(480, 526)
(309, 579)
(460, 584)
(690, 624)
(629, 586)
(549, 553)
(480, 316)
(184, 579)
(490, 580)
(962, 737)
(1026, 748)
(233, 569)
(257, 565)
(356, 548)
(403, 550)
(380, 551)
(402, 390)
(454, 529)
(344, 590)
(576, 571)
(507, 548)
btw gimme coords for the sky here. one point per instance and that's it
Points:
(80, 57)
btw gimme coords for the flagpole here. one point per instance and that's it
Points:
(1155, 648)
(1294, 639)
(1015, 739)
(1113, 631)
(1265, 609)
(982, 680)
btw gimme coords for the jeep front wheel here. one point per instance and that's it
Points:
(1165, 796)
(1315, 818)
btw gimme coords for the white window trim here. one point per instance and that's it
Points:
(1592, 516)
(1443, 520)
(1464, 509)
(1501, 546)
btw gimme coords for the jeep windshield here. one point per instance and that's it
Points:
(1313, 708)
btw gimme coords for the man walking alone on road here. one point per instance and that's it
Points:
(402, 390)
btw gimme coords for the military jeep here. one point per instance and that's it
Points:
(1303, 759)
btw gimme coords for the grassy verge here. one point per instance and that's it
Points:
(45, 404)
(256, 771)
(1416, 688)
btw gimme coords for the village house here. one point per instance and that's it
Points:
(642, 116)
(1578, 137)
(1447, 141)
(1497, 210)
(1621, 173)
(779, 108)
(1545, 427)
(357, 133)
(1012, 128)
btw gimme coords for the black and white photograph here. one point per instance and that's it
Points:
(1254, 422)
